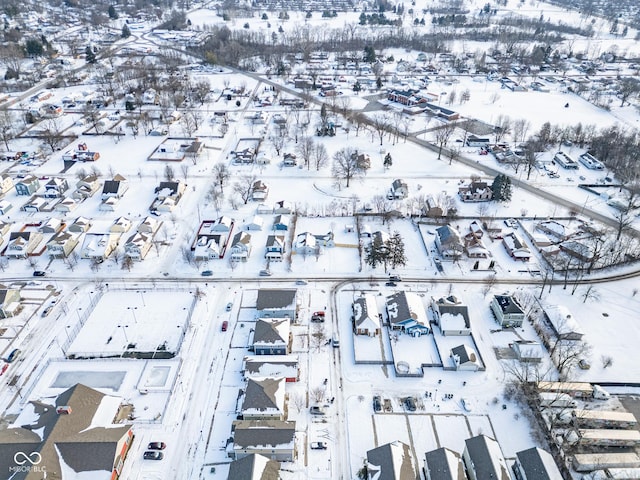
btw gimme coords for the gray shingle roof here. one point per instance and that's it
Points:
(261, 394)
(252, 433)
(268, 298)
(444, 464)
(538, 464)
(391, 458)
(266, 332)
(254, 467)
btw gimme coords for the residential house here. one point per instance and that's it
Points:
(56, 187)
(23, 244)
(563, 323)
(476, 191)
(281, 223)
(565, 161)
(138, 245)
(325, 239)
(9, 302)
(52, 225)
(283, 208)
(405, 312)
(581, 251)
(259, 191)
(507, 311)
(98, 246)
(261, 366)
(241, 247)
(305, 244)
(554, 229)
(483, 459)
(27, 185)
(121, 225)
(74, 436)
(223, 224)
(591, 162)
(516, 247)
(474, 246)
(272, 336)
(149, 225)
(535, 464)
(264, 399)
(5, 206)
(444, 464)
(256, 223)
(366, 318)
(80, 225)
(168, 194)
(109, 204)
(448, 242)
(5, 228)
(62, 244)
(66, 205)
(115, 188)
(528, 351)
(274, 439)
(276, 303)
(275, 248)
(431, 207)
(254, 467)
(86, 187)
(493, 229)
(6, 184)
(363, 160)
(399, 190)
(37, 204)
(465, 358)
(451, 316)
(392, 461)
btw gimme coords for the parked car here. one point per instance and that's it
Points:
(13, 356)
(47, 311)
(157, 446)
(377, 404)
(391, 284)
(207, 273)
(410, 404)
(584, 365)
(229, 307)
(317, 316)
(153, 455)
(318, 446)
(265, 273)
(316, 410)
(301, 282)
(4, 369)
(225, 325)
(511, 222)
(39, 273)
(395, 278)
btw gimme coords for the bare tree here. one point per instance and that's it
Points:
(319, 156)
(169, 173)
(52, 133)
(381, 124)
(221, 175)
(346, 165)
(442, 136)
(244, 187)
(502, 127)
(489, 282)
(305, 150)
(6, 127)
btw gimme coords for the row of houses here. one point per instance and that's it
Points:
(481, 459)
(59, 239)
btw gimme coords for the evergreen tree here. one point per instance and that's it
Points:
(126, 33)
(376, 252)
(90, 56)
(369, 54)
(501, 188)
(387, 160)
(357, 87)
(113, 15)
(395, 251)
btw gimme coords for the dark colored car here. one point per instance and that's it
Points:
(391, 284)
(13, 356)
(39, 273)
(395, 278)
(153, 455)
(410, 404)
(377, 404)
(157, 446)
(229, 307)
(207, 273)
(225, 325)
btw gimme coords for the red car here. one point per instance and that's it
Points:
(225, 325)
(4, 368)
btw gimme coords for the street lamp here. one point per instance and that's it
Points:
(133, 309)
(124, 332)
